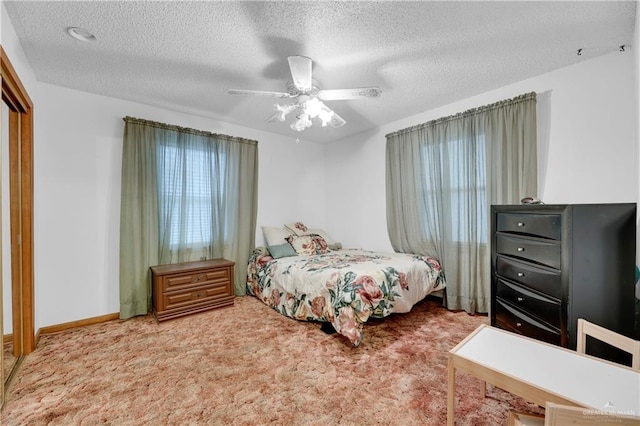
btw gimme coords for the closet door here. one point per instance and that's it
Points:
(16, 230)
(8, 358)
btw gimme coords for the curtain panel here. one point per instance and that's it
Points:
(441, 179)
(186, 195)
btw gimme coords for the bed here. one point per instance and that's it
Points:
(343, 287)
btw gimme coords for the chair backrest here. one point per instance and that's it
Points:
(556, 414)
(586, 328)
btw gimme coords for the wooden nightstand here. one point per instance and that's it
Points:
(185, 288)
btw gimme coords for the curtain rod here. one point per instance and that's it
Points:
(164, 126)
(469, 112)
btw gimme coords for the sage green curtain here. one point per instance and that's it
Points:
(443, 176)
(186, 195)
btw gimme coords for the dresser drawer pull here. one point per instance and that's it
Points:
(520, 224)
(520, 299)
(198, 294)
(520, 248)
(518, 324)
(521, 274)
(198, 278)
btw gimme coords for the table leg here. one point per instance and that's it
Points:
(451, 396)
(483, 389)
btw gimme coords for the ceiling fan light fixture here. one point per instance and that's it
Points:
(325, 116)
(313, 107)
(282, 111)
(303, 122)
(298, 126)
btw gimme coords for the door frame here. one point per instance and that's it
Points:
(21, 199)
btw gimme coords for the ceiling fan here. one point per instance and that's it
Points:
(308, 97)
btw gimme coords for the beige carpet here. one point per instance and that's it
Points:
(247, 364)
(8, 358)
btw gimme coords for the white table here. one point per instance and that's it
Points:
(540, 372)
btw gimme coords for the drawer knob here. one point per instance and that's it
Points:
(521, 274)
(518, 324)
(198, 294)
(520, 224)
(520, 248)
(520, 299)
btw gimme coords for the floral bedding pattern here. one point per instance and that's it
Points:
(344, 287)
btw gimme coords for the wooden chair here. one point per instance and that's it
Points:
(556, 414)
(562, 415)
(524, 419)
(586, 328)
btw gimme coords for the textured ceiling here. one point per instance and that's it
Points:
(183, 55)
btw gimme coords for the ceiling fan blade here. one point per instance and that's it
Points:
(337, 121)
(257, 93)
(300, 67)
(356, 93)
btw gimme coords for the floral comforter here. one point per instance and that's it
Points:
(343, 287)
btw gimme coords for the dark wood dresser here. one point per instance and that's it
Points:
(185, 288)
(553, 264)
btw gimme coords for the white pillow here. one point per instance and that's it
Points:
(274, 236)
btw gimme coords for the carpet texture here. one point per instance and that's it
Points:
(8, 359)
(247, 364)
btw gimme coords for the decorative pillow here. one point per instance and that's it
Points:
(282, 250)
(303, 245)
(297, 228)
(274, 236)
(261, 251)
(322, 233)
(321, 244)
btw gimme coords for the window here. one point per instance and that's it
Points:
(189, 181)
(463, 177)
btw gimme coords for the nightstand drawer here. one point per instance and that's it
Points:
(546, 281)
(196, 296)
(542, 307)
(199, 278)
(544, 253)
(538, 225)
(511, 318)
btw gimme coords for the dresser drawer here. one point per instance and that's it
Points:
(542, 307)
(197, 296)
(544, 253)
(544, 280)
(511, 318)
(538, 225)
(183, 281)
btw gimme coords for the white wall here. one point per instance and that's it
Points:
(586, 149)
(77, 155)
